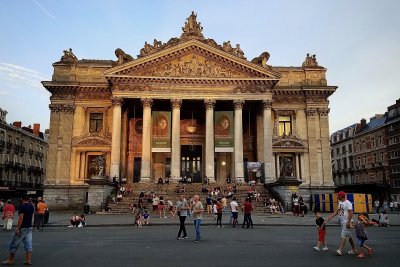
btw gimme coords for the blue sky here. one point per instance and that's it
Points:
(357, 41)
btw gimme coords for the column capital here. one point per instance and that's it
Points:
(267, 103)
(176, 103)
(311, 112)
(209, 103)
(117, 101)
(238, 104)
(146, 102)
(323, 112)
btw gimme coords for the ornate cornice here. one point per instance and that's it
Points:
(146, 102)
(117, 101)
(311, 112)
(209, 103)
(176, 103)
(238, 104)
(67, 108)
(95, 92)
(267, 103)
(288, 99)
(92, 139)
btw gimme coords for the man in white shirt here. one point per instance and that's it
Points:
(376, 205)
(234, 209)
(345, 213)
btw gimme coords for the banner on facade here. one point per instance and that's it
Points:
(161, 131)
(223, 131)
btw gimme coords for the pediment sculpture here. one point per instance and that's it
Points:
(310, 61)
(261, 60)
(69, 56)
(192, 28)
(122, 56)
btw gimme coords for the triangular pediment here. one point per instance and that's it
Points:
(193, 59)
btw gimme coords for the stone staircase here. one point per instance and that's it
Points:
(169, 191)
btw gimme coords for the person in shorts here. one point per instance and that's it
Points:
(320, 222)
(23, 233)
(345, 213)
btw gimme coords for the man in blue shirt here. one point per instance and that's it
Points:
(23, 232)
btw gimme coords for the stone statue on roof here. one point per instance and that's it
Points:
(69, 56)
(261, 60)
(122, 56)
(310, 61)
(192, 27)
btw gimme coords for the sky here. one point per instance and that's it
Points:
(358, 41)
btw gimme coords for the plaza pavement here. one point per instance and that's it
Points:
(61, 219)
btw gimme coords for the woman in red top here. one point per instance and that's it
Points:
(8, 215)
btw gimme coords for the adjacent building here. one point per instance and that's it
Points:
(23, 156)
(188, 107)
(393, 148)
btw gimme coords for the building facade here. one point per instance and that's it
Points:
(393, 148)
(187, 107)
(23, 156)
(343, 156)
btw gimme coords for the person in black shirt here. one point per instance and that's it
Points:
(23, 232)
(320, 222)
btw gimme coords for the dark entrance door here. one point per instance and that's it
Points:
(191, 162)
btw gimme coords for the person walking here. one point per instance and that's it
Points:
(376, 205)
(40, 210)
(197, 216)
(361, 233)
(234, 212)
(8, 215)
(23, 233)
(220, 207)
(182, 207)
(345, 213)
(320, 222)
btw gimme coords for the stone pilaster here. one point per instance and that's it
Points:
(312, 146)
(210, 168)
(116, 138)
(146, 140)
(176, 139)
(267, 139)
(239, 172)
(327, 179)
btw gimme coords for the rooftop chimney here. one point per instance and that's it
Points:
(36, 129)
(17, 124)
(363, 123)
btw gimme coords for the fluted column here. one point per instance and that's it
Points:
(116, 138)
(146, 140)
(239, 176)
(267, 137)
(327, 179)
(210, 168)
(176, 139)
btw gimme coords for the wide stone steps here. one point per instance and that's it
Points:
(170, 192)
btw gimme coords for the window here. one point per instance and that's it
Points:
(379, 141)
(374, 158)
(343, 150)
(382, 156)
(350, 148)
(373, 142)
(337, 152)
(364, 147)
(96, 122)
(365, 160)
(357, 147)
(285, 125)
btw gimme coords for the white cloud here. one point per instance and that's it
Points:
(14, 76)
(46, 12)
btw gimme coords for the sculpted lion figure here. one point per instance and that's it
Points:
(122, 56)
(261, 60)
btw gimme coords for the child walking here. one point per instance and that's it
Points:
(361, 233)
(320, 222)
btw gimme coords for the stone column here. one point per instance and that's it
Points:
(82, 168)
(239, 175)
(210, 168)
(146, 140)
(176, 139)
(297, 165)
(116, 138)
(267, 138)
(77, 165)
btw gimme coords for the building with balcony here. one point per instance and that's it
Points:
(23, 155)
(393, 148)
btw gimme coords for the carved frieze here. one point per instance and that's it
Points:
(192, 66)
(209, 103)
(288, 99)
(131, 87)
(92, 139)
(146, 102)
(251, 89)
(176, 103)
(290, 141)
(67, 108)
(238, 104)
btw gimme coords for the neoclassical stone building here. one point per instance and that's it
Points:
(187, 107)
